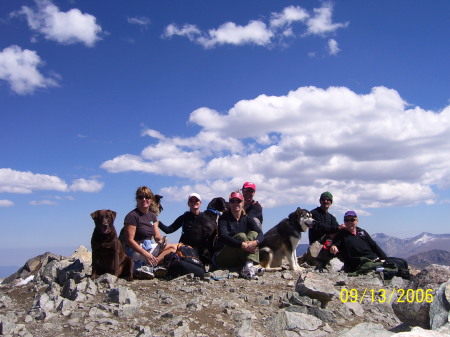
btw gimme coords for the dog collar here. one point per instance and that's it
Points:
(213, 210)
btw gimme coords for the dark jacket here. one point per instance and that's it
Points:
(353, 247)
(185, 221)
(229, 227)
(325, 223)
(254, 210)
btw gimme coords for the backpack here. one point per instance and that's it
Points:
(184, 261)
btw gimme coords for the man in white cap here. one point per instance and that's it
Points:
(186, 220)
(252, 208)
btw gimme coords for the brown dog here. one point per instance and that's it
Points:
(108, 254)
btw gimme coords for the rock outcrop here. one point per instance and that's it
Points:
(54, 296)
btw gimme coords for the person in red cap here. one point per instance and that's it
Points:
(252, 207)
(238, 240)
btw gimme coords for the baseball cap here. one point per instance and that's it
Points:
(249, 185)
(350, 213)
(195, 195)
(236, 195)
(326, 195)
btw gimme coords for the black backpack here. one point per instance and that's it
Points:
(184, 261)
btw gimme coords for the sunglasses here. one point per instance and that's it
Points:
(141, 197)
(326, 199)
(350, 219)
(235, 201)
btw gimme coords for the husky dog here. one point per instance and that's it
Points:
(282, 240)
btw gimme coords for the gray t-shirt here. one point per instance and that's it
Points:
(145, 228)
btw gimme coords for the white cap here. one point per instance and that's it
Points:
(195, 195)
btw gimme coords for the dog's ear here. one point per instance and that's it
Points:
(299, 211)
(94, 215)
(113, 214)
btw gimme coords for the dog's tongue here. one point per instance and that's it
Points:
(105, 229)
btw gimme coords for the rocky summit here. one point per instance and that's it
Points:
(53, 295)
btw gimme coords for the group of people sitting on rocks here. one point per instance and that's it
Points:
(239, 234)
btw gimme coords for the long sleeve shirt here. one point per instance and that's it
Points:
(354, 246)
(229, 227)
(325, 223)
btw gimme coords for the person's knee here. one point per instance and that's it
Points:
(241, 237)
(252, 235)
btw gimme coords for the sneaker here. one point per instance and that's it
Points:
(249, 273)
(160, 272)
(145, 273)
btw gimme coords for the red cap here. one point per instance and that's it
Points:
(236, 195)
(249, 185)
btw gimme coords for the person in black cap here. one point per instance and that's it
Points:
(325, 222)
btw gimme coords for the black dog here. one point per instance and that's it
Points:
(204, 229)
(108, 254)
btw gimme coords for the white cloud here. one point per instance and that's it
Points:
(288, 16)
(86, 185)
(20, 69)
(373, 148)
(333, 47)
(12, 181)
(63, 27)
(321, 23)
(257, 32)
(6, 203)
(189, 31)
(254, 32)
(140, 21)
(42, 202)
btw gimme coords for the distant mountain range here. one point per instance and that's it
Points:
(424, 259)
(419, 251)
(405, 248)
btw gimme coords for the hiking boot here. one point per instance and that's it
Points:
(145, 273)
(248, 272)
(160, 272)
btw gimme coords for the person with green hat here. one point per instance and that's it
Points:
(325, 223)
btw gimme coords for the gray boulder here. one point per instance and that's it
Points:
(417, 313)
(439, 309)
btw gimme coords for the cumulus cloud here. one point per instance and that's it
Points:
(20, 69)
(6, 203)
(258, 32)
(12, 181)
(333, 47)
(321, 23)
(68, 27)
(374, 149)
(86, 185)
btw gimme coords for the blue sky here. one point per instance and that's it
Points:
(98, 98)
